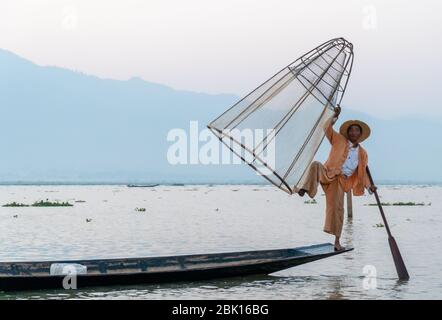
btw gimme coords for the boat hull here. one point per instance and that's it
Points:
(15, 276)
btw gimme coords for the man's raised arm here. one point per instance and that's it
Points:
(328, 126)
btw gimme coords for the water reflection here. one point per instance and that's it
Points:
(334, 287)
(349, 234)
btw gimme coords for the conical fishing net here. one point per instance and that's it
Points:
(278, 127)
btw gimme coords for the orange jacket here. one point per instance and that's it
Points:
(338, 153)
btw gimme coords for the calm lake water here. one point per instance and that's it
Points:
(202, 219)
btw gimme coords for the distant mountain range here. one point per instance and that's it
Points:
(63, 126)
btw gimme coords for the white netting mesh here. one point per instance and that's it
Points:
(278, 127)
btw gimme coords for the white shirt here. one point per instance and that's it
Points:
(351, 163)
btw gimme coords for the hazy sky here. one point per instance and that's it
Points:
(231, 46)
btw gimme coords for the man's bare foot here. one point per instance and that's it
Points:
(338, 246)
(302, 192)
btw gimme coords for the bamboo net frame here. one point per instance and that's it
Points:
(291, 108)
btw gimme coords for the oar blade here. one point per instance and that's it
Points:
(398, 261)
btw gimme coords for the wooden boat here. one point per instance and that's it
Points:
(142, 185)
(37, 275)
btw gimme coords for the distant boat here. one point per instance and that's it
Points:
(51, 274)
(142, 185)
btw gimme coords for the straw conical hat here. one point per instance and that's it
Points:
(347, 124)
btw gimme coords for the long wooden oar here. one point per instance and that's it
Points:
(398, 262)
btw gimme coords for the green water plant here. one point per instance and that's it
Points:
(48, 203)
(379, 225)
(399, 204)
(15, 204)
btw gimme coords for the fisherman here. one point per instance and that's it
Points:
(344, 170)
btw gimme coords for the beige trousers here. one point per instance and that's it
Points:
(334, 196)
